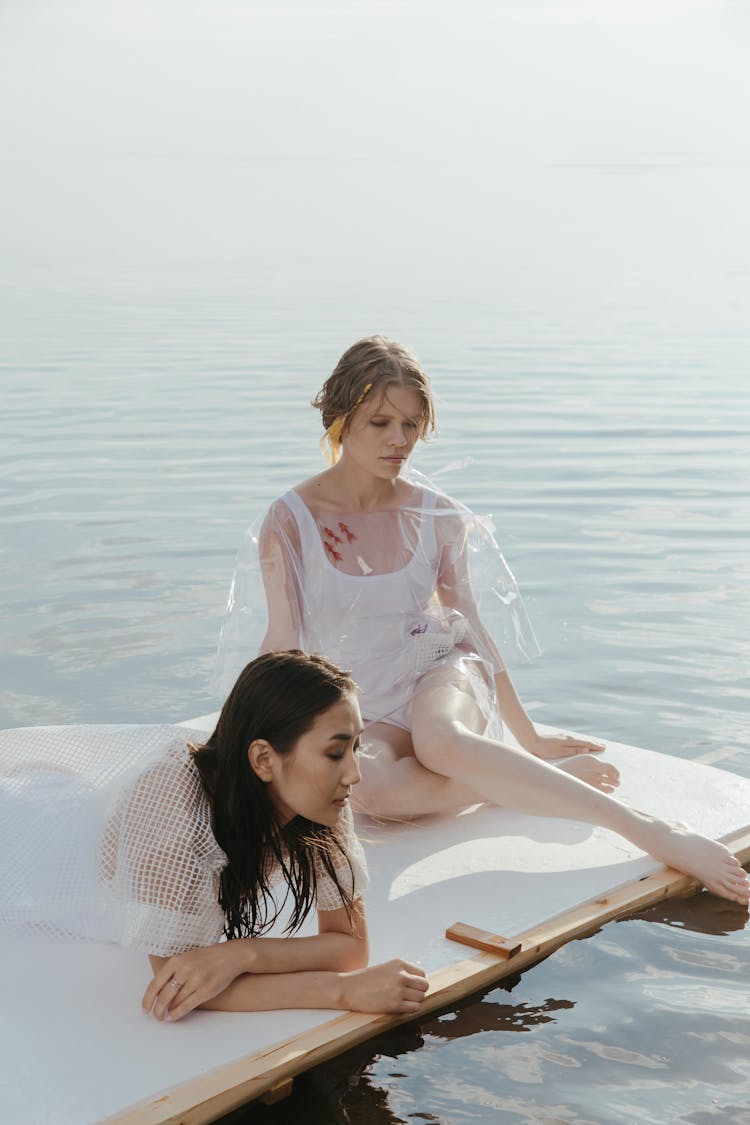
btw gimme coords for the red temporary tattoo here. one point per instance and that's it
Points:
(349, 534)
(333, 552)
(332, 535)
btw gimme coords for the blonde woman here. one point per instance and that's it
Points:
(370, 565)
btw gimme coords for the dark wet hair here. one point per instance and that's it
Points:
(277, 698)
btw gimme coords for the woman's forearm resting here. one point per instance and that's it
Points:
(217, 978)
(396, 986)
(227, 975)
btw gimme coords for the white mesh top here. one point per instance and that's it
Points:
(105, 833)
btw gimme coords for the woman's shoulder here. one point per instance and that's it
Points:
(439, 503)
(280, 519)
(318, 494)
(171, 789)
(314, 493)
(449, 516)
(427, 494)
(167, 804)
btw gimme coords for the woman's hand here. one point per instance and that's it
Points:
(560, 746)
(394, 987)
(189, 979)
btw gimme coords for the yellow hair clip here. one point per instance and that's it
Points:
(361, 397)
(330, 443)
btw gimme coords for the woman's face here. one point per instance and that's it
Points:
(315, 779)
(382, 433)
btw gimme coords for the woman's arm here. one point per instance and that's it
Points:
(278, 547)
(393, 987)
(258, 974)
(455, 591)
(517, 718)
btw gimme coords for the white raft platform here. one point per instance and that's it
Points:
(77, 1050)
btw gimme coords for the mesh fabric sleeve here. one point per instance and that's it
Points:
(352, 875)
(161, 861)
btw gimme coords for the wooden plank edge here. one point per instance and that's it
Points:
(278, 1092)
(210, 1096)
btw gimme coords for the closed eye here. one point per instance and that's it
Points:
(412, 423)
(336, 757)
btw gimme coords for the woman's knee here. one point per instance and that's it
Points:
(375, 779)
(406, 789)
(437, 742)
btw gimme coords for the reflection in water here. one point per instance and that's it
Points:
(489, 1015)
(347, 1085)
(542, 1059)
(704, 913)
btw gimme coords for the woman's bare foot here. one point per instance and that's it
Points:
(706, 860)
(595, 772)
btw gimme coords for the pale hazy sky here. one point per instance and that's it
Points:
(584, 79)
(150, 125)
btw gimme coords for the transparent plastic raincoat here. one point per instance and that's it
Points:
(407, 599)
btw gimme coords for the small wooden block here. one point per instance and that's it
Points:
(483, 939)
(278, 1092)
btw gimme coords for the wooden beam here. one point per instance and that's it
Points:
(483, 939)
(228, 1087)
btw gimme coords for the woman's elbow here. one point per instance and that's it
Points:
(353, 954)
(357, 957)
(347, 930)
(278, 642)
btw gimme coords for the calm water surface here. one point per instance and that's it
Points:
(175, 286)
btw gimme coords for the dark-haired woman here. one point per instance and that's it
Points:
(168, 848)
(371, 565)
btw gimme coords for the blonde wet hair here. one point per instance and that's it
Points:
(367, 368)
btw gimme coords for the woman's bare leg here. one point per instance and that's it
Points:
(395, 786)
(444, 742)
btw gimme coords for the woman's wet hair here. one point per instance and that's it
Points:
(277, 698)
(367, 369)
